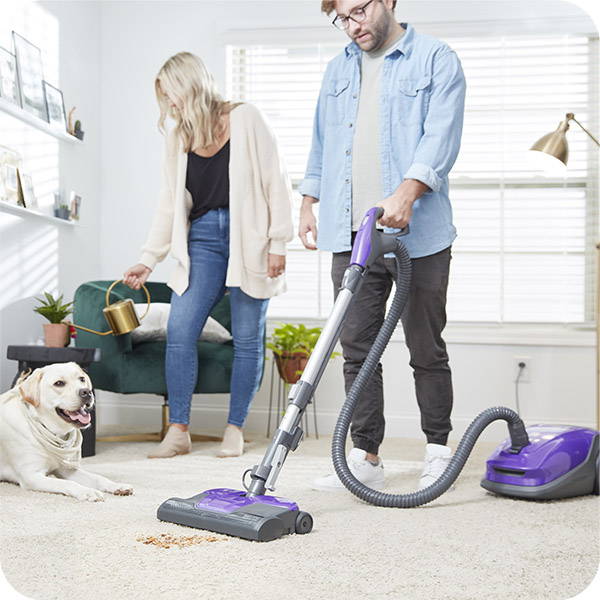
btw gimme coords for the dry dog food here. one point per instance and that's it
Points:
(165, 540)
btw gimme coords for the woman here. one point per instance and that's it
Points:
(225, 215)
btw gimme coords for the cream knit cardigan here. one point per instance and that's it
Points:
(259, 207)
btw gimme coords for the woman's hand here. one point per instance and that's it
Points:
(275, 265)
(135, 277)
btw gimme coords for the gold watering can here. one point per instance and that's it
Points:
(121, 315)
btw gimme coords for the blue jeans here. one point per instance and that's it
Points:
(208, 246)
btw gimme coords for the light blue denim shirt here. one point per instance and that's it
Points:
(421, 110)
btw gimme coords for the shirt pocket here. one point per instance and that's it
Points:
(410, 100)
(337, 101)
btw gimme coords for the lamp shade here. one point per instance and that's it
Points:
(555, 143)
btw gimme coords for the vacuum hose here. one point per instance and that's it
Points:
(515, 424)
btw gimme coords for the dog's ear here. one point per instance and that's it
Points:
(29, 387)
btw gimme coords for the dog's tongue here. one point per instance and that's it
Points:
(80, 415)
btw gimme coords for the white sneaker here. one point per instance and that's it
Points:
(367, 473)
(437, 458)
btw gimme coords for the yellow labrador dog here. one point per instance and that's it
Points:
(41, 419)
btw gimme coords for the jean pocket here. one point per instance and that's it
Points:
(336, 101)
(410, 99)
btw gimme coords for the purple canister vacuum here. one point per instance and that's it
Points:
(539, 462)
(560, 462)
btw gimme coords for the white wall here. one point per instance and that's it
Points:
(117, 47)
(37, 255)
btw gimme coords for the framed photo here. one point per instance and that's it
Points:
(10, 161)
(29, 199)
(30, 74)
(10, 179)
(55, 107)
(9, 83)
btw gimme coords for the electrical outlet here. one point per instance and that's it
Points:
(525, 372)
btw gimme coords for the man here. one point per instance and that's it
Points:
(386, 132)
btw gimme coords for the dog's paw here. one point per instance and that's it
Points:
(89, 495)
(122, 489)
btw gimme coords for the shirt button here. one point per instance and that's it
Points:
(349, 124)
(354, 96)
(347, 181)
(347, 152)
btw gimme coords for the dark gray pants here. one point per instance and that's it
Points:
(423, 321)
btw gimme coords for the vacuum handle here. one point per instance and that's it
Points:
(370, 243)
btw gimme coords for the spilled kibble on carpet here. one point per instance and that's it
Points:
(165, 540)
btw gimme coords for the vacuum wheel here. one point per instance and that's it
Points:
(304, 522)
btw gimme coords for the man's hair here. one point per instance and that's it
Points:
(328, 6)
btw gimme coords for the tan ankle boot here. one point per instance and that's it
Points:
(175, 442)
(232, 444)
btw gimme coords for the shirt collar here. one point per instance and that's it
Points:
(404, 46)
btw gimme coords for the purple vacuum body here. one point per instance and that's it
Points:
(561, 461)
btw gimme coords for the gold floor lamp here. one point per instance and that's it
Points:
(555, 144)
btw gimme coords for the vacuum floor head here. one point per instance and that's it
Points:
(233, 512)
(560, 462)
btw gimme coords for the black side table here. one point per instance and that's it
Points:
(34, 357)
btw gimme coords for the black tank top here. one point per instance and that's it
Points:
(207, 180)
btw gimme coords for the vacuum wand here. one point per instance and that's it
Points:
(369, 245)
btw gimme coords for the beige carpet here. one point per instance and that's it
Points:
(467, 544)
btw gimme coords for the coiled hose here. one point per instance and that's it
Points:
(516, 426)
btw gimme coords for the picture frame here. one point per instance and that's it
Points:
(55, 107)
(10, 161)
(9, 82)
(30, 76)
(29, 198)
(10, 177)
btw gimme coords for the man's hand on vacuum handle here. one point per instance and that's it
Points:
(135, 277)
(398, 207)
(308, 223)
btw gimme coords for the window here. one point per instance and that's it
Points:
(525, 251)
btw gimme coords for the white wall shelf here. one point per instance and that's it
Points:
(28, 212)
(23, 115)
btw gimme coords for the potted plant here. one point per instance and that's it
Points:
(291, 346)
(56, 333)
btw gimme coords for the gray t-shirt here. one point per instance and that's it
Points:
(367, 186)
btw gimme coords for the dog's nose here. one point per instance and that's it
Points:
(86, 395)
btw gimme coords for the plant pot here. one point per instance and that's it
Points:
(56, 335)
(288, 365)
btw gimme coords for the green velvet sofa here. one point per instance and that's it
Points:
(128, 368)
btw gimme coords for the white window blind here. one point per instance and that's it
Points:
(525, 251)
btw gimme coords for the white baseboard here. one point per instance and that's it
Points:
(209, 414)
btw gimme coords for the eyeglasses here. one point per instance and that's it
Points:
(358, 15)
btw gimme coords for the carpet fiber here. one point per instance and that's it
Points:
(468, 544)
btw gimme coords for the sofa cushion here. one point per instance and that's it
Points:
(153, 326)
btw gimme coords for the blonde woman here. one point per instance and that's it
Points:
(225, 215)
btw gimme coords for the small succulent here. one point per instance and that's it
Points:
(53, 309)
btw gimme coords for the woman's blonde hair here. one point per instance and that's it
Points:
(198, 120)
